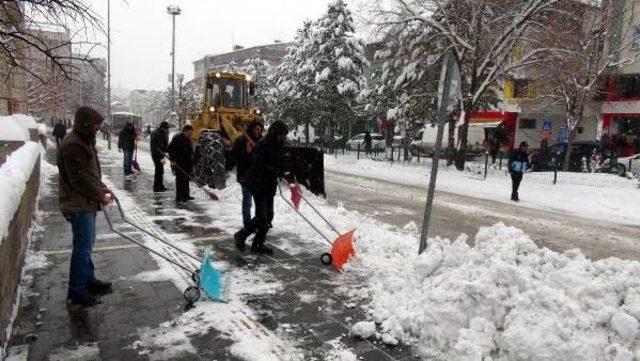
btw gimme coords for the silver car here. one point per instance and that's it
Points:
(377, 142)
(630, 164)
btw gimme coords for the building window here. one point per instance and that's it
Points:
(628, 86)
(527, 124)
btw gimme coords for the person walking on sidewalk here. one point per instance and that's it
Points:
(262, 179)
(368, 142)
(127, 145)
(159, 142)
(518, 164)
(59, 131)
(181, 156)
(242, 150)
(81, 194)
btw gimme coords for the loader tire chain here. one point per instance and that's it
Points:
(135, 215)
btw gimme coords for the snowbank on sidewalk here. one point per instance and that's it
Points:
(14, 174)
(505, 299)
(614, 203)
(12, 130)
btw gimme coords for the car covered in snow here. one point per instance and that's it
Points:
(629, 164)
(377, 142)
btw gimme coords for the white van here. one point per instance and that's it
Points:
(425, 139)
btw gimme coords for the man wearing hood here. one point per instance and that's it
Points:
(159, 147)
(181, 155)
(242, 150)
(81, 195)
(262, 180)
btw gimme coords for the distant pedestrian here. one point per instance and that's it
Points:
(127, 145)
(81, 195)
(147, 131)
(368, 142)
(159, 143)
(518, 164)
(181, 156)
(59, 131)
(242, 150)
(262, 179)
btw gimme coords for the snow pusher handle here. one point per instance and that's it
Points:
(333, 228)
(141, 229)
(302, 215)
(197, 181)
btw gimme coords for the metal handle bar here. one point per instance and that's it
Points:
(127, 221)
(333, 228)
(303, 216)
(106, 215)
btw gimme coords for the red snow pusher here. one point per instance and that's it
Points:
(206, 278)
(342, 248)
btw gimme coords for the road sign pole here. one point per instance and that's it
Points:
(443, 115)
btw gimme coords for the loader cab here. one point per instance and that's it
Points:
(228, 92)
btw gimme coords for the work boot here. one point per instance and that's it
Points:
(98, 287)
(85, 300)
(240, 237)
(260, 248)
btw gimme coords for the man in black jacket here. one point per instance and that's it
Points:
(181, 155)
(518, 164)
(59, 131)
(262, 180)
(242, 150)
(159, 144)
(127, 145)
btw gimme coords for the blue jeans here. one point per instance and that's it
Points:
(128, 159)
(81, 271)
(246, 205)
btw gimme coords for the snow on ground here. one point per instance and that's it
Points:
(501, 299)
(13, 130)
(14, 174)
(614, 203)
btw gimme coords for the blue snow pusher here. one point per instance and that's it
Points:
(207, 278)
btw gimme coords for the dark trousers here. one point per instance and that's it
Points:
(516, 178)
(261, 222)
(128, 160)
(82, 271)
(58, 141)
(246, 205)
(158, 182)
(182, 186)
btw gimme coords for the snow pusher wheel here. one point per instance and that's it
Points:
(195, 277)
(326, 259)
(192, 294)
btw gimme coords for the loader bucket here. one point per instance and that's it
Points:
(211, 279)
(343, 249)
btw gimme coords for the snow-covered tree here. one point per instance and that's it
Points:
(481, 35)
(588, 41)
(261, 74)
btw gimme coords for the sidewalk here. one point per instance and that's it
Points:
(283, 307)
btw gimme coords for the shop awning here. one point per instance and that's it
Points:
(485, 123)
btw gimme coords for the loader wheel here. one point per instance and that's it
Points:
(326, 259)
(195, 277)
(192, 294)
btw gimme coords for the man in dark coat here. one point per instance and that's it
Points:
(59, 131)
(81, 195)
(262, 179)
(159, 144)
(127, 145)
(518, 164)
(368, 142)
(181, 156)
(242, 150)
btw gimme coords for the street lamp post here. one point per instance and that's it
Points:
(173, 10)
(109, 74)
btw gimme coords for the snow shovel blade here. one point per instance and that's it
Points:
(296, 194)
(211, 194)
(136, 165)
(211, 279)
(343, 249)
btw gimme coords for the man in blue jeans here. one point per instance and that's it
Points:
(127, 145)
(81, 195)
(242, 150)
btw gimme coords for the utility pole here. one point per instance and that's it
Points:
(109, 74)
(443, 115)
(173, 10)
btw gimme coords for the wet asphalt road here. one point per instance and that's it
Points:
(455, 214)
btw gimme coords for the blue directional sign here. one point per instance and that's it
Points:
(563, 137)
(546, 125)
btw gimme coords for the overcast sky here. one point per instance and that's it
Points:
(141, 33)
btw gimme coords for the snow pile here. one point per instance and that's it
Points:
(12, 130)
(14, 174)
(26, 121)
(364, 329)
(35, 260)
(506, 299)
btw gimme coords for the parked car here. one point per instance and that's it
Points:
(338, 141)
(629, 164)
(553, 157)
(377, 142)
(425, 140)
